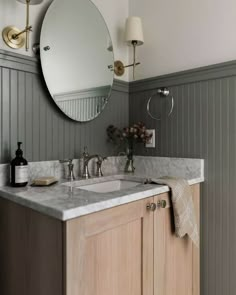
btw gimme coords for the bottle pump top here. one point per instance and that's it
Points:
(19, 151)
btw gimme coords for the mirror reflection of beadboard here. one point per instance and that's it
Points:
(85, 104)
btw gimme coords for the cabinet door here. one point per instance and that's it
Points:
(110, 252)
(176, 261)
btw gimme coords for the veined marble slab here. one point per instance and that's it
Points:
(68, 201)
(149, 166)
(65, 200)
(163, 166)
(39, 169)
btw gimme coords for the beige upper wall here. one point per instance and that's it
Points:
(114, 12)
(179, 35)
(184, 34)
(13, 12)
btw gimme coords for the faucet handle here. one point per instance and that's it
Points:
(101, 159)
(99, 169)
(70, 167)
(99, 166)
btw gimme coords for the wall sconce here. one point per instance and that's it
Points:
(16, 38)
(133, 37)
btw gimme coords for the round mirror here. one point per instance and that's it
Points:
(77, 58)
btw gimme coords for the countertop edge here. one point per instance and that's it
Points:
(89, 209)
(48, 211)
(69, 214)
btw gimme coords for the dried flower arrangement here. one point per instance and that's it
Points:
(128, 136)
(135, 133)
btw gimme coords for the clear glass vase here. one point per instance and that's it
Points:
(129, 167)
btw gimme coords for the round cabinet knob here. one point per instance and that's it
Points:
(161, 204)
(151, 207)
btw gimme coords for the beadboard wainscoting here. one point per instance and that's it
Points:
(202, 125)
(28, 114)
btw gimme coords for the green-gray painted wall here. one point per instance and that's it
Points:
(203, 125)
(28, 113)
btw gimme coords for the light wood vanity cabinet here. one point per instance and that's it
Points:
(125, 250)
(111, 252)
(176, 261)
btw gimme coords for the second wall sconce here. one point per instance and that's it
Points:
(133, 37)
(16, 38)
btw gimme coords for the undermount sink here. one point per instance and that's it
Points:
(110, 186)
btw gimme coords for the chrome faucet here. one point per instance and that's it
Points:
(70, 176)
(99, 166)
(86, 159)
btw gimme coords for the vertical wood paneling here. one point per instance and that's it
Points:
(205, 127)
(212, 191)
(36, 122)
(6, 114)
(182, 135)
(177, 97)
(1, 91)
(43, 128)
(28, 114)
(218, 176)
(13, 111)
(197, 120)
(49, 131)
(232, 200)
(225, 184)
(21, 108)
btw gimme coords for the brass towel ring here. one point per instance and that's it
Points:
(164, 92)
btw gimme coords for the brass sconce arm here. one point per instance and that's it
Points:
(15, 38)
(131, 65)
(27, 27)
(119, 67)
(134, 43)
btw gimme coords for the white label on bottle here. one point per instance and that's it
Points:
(21, 174)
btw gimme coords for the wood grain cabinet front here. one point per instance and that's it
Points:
(176, 261)
(111, 252)
(126, 250)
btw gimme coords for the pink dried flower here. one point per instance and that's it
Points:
(134, 133)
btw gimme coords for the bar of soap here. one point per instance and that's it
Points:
(44, 181)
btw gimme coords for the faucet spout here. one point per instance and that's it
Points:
(87, 158)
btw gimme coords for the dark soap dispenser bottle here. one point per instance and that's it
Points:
(19, 169)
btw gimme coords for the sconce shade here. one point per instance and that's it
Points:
(134, 30)
(32, 2)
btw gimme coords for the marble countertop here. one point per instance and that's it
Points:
(65, 201)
